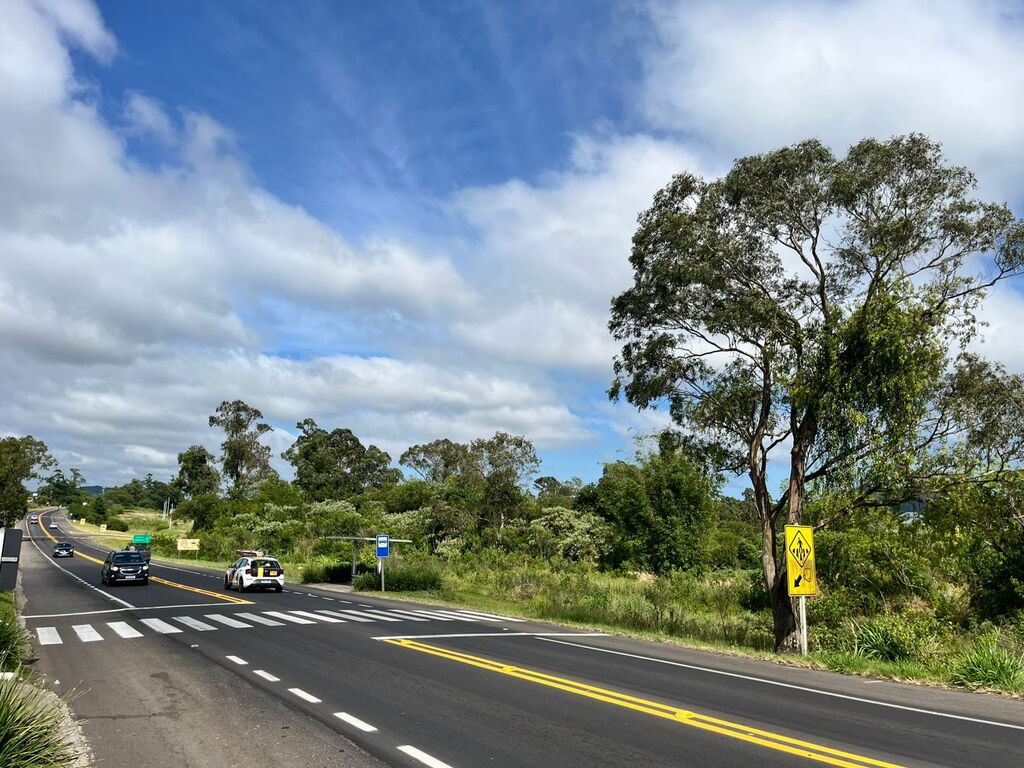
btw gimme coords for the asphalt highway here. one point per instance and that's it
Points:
(414, 685)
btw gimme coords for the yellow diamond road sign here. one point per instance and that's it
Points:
(800, 572)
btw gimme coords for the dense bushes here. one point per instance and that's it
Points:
(402, 577)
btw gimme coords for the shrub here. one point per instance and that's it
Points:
(986, 664)
(117, 524)
(326, 571)
(891, 637)
(403, 577)
(31, 728)
(12, 643)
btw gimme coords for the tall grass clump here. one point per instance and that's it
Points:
(890, 637)
(12, 637)
(32, 728)
(986, 664)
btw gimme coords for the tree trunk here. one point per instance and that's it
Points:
(787, 632)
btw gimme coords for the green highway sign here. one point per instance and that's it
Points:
(141, 538)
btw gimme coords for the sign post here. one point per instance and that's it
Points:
(801, 574)
(383, 551)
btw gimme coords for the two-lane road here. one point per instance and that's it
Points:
(418, 685)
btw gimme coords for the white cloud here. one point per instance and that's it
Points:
(146, 117)
(749, 76)
(551, 255)
(133, 300)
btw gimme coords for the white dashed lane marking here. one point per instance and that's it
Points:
(239, 661)
(266, 675)
(355, 721)
(423, 757)
(304, 696)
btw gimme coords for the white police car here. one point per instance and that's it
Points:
(254, 571)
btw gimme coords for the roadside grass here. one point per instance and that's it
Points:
(33, 728)
(687, 616)
(12, 636)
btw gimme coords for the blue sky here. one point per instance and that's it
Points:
(367, 114)
(409, 218)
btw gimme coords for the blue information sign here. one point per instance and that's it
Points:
(383, 545)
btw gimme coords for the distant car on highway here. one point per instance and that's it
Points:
(142, 549)
(53, 525)
(63, 549)
(254, 571)
(124, 566)
(34, 519)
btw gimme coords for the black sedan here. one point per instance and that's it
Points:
(63, 549)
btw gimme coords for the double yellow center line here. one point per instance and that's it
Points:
(157, 579)
(775, 741)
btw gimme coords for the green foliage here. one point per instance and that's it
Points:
(571, 534)
(244, 459)
(13, 640)
(415, 576)
(32, 731)
(147, 493)
(986, 664)
(855, 358)
(336, 465)
(117, 524)
(661, 513)
(893, 637)
(197, 473)
(21, 458)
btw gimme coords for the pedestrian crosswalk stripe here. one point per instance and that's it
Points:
(311, 615)
(86, 633)
(194, 623)
(444, 616)
(160, 626)
(260, 619)
(435, 616)
(408, 615)
(369, 616)
(124, 629)
(48, 636)
(287, 617)
(468, 617)
(338, 615)
(227, 621)
(493, 616)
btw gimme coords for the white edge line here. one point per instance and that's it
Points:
(423, 757)
(493, 634)
(355, 722)
(801, 688)
(304, 696)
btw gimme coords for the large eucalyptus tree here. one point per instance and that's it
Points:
(816, 311)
